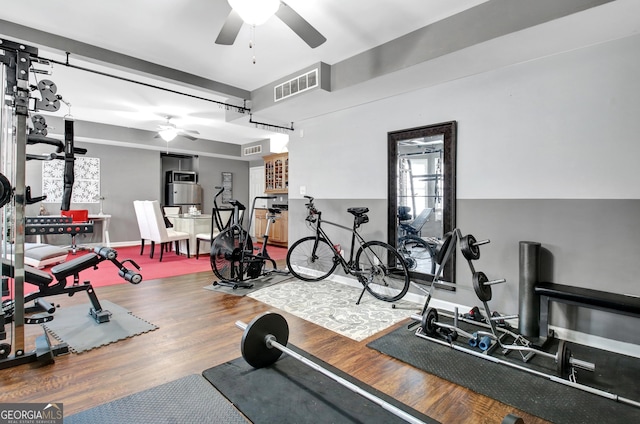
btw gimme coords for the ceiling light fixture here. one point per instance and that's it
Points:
(168, 134)
(255, 12)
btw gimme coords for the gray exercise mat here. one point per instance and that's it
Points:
(258, 283)
(190, 399)
(73, 325)
(538, 396)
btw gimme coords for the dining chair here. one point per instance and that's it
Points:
(158, 231)
(216, 227)
(143, 225)
(170, 212)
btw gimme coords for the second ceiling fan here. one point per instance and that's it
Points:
(257, 12)
(169, 131)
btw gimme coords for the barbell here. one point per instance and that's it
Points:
(264, 341)
(563, 357)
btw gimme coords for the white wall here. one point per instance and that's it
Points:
(564, 128)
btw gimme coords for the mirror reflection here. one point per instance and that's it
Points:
(422, 195)
(419, 199)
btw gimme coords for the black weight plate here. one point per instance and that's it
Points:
(482, 291)
(5, 190)
(443, 246)
(563, 364)
(253, 345)
(429, 322)
(468, 248)
(5, 350)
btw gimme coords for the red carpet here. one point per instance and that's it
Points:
(150, 269)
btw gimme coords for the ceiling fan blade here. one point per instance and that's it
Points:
(190, 131)
(188, 137)
(230, 29)
(300, 26)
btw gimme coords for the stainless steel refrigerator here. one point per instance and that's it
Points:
(183, 195)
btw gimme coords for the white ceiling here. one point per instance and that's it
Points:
(180, 34)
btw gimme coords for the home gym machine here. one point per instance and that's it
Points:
(16, 64)
(485, 333)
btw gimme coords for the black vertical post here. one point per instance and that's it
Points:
(69, 162)
(529, 302)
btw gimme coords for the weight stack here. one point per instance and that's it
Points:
(529, 303)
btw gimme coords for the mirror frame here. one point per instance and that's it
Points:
(449, 131)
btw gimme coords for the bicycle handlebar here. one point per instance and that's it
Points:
(312, 211)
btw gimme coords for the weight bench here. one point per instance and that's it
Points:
(595, 299)
(40, 255)
(56, 282)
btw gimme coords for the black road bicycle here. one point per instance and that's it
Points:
(377, 265)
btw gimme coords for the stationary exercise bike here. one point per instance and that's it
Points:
(233, 259)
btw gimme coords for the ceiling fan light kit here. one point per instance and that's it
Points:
(255, 12)
(168, 134)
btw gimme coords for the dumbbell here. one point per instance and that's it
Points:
(470, 247)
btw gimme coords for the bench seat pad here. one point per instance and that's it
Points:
(621, 303)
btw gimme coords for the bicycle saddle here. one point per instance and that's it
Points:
(358, 211)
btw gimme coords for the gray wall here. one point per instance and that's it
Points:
(547, 152)
(129, 174)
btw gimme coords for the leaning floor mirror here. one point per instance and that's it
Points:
(422, 196)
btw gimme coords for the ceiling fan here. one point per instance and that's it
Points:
(256, 12)
(169, 131)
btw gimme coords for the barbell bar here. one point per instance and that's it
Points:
(261, 347)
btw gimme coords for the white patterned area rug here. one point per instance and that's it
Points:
(333, 306)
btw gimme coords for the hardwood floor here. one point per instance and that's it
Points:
(197, 331)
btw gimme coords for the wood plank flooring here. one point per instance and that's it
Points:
(197, 331)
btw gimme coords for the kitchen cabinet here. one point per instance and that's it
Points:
(279, 230)
(276, 173)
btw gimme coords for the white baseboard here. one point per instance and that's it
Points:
(597, 342)
(125, 243)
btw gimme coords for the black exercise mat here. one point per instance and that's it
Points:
(536, 395)
(291, 392)
(189, 399)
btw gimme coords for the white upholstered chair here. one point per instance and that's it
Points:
(171, 210)
(159, 233)
(143, 225)
(170, 213)
(216, 227)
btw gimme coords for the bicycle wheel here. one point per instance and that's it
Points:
(226, 254)
(383, 271)
(308, 264)
(418, 254)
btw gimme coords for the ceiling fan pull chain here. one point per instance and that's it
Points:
(252, 42)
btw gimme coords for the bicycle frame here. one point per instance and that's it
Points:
(348, 267)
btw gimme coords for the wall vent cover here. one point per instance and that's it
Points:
(296, 85)
(253, 150)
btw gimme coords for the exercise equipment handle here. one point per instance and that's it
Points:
(106, 252)
(271, 342)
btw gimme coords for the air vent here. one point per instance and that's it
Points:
(296, 85)
(253, 150)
